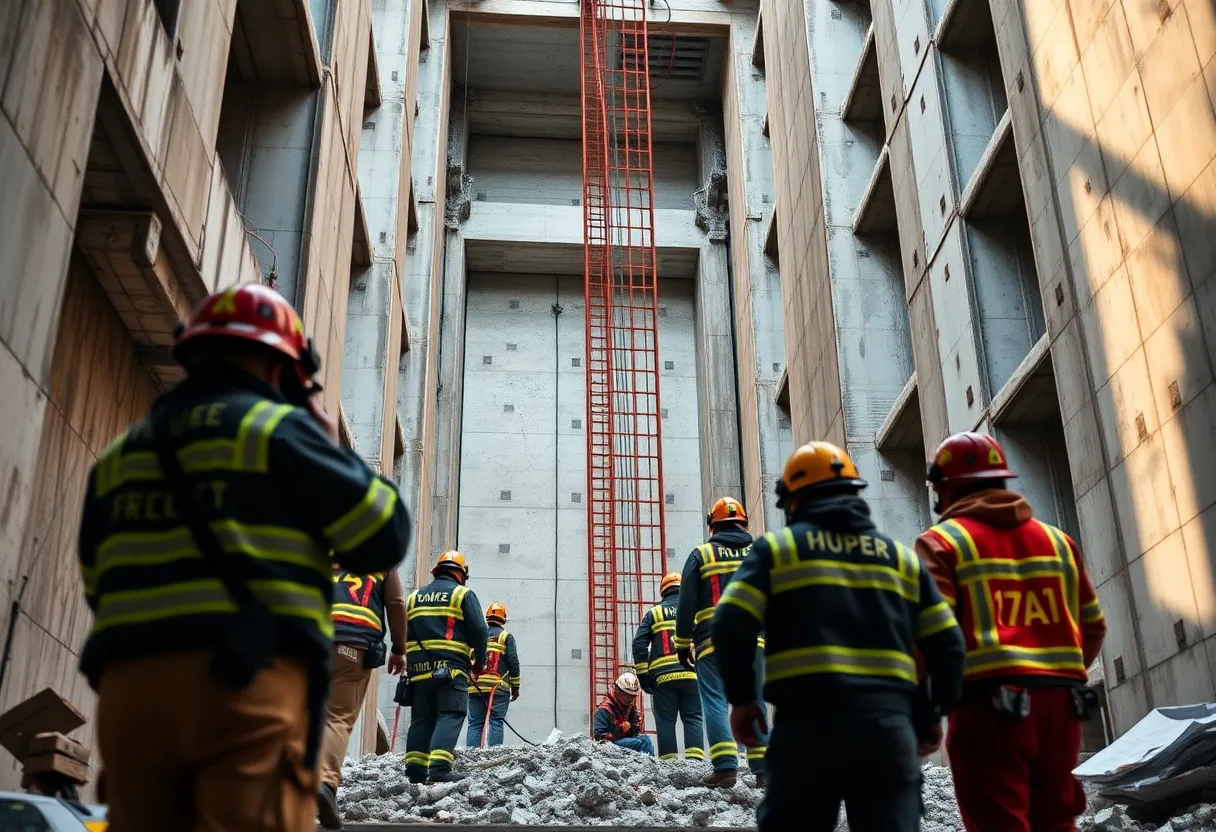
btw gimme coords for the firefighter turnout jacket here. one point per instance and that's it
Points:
(1025, 603)
(613, 721)
(502, 662)
(654, 645)
(706, 573)
(445, 629)
(844, 607)
(364, 604)
(277, 493)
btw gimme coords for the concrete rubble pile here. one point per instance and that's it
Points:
(574, 781)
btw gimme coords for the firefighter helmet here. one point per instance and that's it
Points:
(497, 612)
(726, 510)
(962, 459)
(817, 467)
(451, 560)
(670, 581)
(628, 683)
(251, 312)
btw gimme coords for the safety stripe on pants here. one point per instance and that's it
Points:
(719, 750)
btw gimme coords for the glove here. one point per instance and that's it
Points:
(928, 745)
(743, 722)
(514, 692)
(686, 659)
(647, 682)
(478, 668)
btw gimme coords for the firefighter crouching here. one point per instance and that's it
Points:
(205, 552)
(445, 629)
(617, 718)
(497, 687)
(361, 606)
(843, 607)
(673, 688)
(1032, 624)
(706, 572)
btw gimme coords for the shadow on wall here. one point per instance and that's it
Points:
(1144, 449)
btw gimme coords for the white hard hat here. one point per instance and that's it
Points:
(628, 683)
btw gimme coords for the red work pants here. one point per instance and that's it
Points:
(1016, 776)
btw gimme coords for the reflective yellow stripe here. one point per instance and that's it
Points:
(417, 758)
(361, 613)
(959, 539)
(707, 553)
(681, 643)
(673, 755)
(141, 606)
(253, 436)
(722, 567)
(364, 520)
(665, 627)
(441, 756)
(838, 573)
(747, 598)
(806, 661)
(723, 749)
(1092, 612)
(935, 619)
(642, 667)
(705, 648)
(1042, 658)
(760, 642)
(664, 661)
(694, 753)
(1068, 573)
(703, 615)
(271, 543)
(757, 753)
(777, 548)
(437, 644)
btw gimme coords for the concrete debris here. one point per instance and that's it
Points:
(574, 781)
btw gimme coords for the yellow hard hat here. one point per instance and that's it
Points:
(817, 466)
(451, 559)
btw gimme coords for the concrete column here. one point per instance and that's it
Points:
(721, 474)
(445, 500)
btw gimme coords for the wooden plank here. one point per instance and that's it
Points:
(53, 743)
(60, 764)
(45, 711)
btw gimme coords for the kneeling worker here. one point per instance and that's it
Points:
(843, 606)
(493, 691)
(445, 628)
(672, 687)
(361, 605)
(617, 719)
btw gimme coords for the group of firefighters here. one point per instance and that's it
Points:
(241, 566)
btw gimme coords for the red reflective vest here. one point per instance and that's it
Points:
(1020, 594)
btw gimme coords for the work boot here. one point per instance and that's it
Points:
(416, 778)
(760, 781)
(445, 777)
(720, 779)
(327, 807)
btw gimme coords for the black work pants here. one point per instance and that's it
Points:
(435, 719)
(679, 698)
(863, 757)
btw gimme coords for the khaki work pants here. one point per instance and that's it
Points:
(183, 751)
(348, 680)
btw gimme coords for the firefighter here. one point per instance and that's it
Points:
(843, 607)
(1033, 626)
(361, 606)
(445, 630)
(672, 687)
(205, 548)
(706, 573)
(617, 719)
(498, 685)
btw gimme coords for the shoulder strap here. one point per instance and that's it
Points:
(208, 544)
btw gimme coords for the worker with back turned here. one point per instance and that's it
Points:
(843, 607)
(205, 548)
(1032, 624)
(362, 606)
(445, 648)
(672, 687)
(492, 692)
(706, 573)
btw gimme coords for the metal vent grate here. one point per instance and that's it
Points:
(678, 58)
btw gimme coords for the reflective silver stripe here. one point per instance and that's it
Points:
(207, 455)
(981, 602)
(826, 659)
(262, 542)
(206, 596)
(1047, 658)
(786, 578)
(935, 619)
(987, 569)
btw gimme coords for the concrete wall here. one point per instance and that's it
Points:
(523, 473)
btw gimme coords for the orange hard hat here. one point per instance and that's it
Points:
(817, 467)
(450, 560)
(670, 581)
(965, 458)
(497, 611)
(251, 312)
(726, 510)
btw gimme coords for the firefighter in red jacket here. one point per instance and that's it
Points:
(1033, 626)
